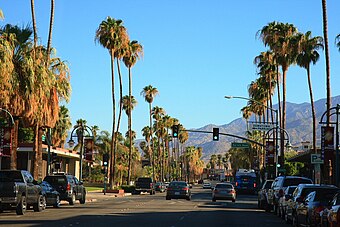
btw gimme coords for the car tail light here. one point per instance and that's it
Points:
(151, 184)
(254, 185)
(68, 187)
(319, 209)
(185, 189)
(236, 183)
(169, 189)
(233, 191)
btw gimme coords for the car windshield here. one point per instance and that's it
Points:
(55, 180)
(224, 186)
(268, 184)
(11, 176)
(296, 181)
(325, 195)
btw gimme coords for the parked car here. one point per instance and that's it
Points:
(330, 216)
(298, 197)
(206, 185)
(144, 184)
(224, 191)
(19, 190)
(279, 185)
(178, 190)
(308, 212)
(51, 194)
(283, 201)
(160, 187)
(68, 186)
(262, 195)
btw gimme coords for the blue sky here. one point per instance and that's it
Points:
(195, 53)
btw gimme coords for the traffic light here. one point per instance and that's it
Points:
(216, 132)
(106, 158)
(175, 131)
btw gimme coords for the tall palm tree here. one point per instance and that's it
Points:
(278, 36)
(63, 125)
(307, 54)
(35, 33)
(112, 35)
(149, 92)
(128, 104)
(328, 65)
(133, 52)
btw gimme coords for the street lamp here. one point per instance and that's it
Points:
(270, 108)
(80, 130)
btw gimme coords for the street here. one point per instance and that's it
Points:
(150, 210)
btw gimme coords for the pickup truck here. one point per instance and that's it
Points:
(18, 189)
(144, 184)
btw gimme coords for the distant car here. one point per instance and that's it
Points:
(178, 190)
(224, 191)
(206, 185)
(69, 187)
(51, 194)
(160, 187)
(262, 194)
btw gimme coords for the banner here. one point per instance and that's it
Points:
(5, 141)
(327, 139)
(270, 152)
(88, 148)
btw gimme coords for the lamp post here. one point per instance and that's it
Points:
(80, 130)
(270, 108)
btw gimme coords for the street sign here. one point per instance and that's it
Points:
(240, 145)
(316, 159)
(261, 126)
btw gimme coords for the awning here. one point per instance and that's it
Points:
(302, 157)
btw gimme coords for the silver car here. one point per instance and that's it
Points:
(224, 191)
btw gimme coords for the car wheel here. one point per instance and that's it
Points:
(233, 200)
(57, 202)
(188, 198)
(287, 219)
(44, 203)
(295, 221)
(213, 199)
(83, 198)
(167, 198)
(22, 206)
(39, 205)
(72, 200)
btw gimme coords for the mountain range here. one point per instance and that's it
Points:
(298, 126)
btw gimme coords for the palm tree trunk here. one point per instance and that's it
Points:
(313, 108)
(129, 125)
(37, 148)
(113, 141)
(49, 42)
(278, 97)
(151, 142)
(328, 67)
(120, 104)
(283, 126)
(34, 24)
(14, 144)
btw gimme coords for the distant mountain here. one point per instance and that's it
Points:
(298, 126)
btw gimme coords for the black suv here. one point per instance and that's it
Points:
(69, 187)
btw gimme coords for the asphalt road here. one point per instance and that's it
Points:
(149, 210)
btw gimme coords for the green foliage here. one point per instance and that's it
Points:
(25, 135)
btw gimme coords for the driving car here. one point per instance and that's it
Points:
(52, 196)
(206, 185)
(224, 191)
(178, 190)
(160, 187)
(68, 186)
(262, 194)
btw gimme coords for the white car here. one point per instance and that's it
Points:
(207, 185)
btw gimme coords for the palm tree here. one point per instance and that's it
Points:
(35, 33)
(1, 15)
(133, 52)
(59, 132)
(307, 54)
(149, 92)
(328, 66)
(128, 104)
(279, 36)
(112, 35)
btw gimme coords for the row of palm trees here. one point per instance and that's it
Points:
(33, 84)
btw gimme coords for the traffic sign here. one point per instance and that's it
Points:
(240, 145)
(261, 126)
(316, 159)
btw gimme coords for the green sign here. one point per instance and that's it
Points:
(281, 170)
(240, 145)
